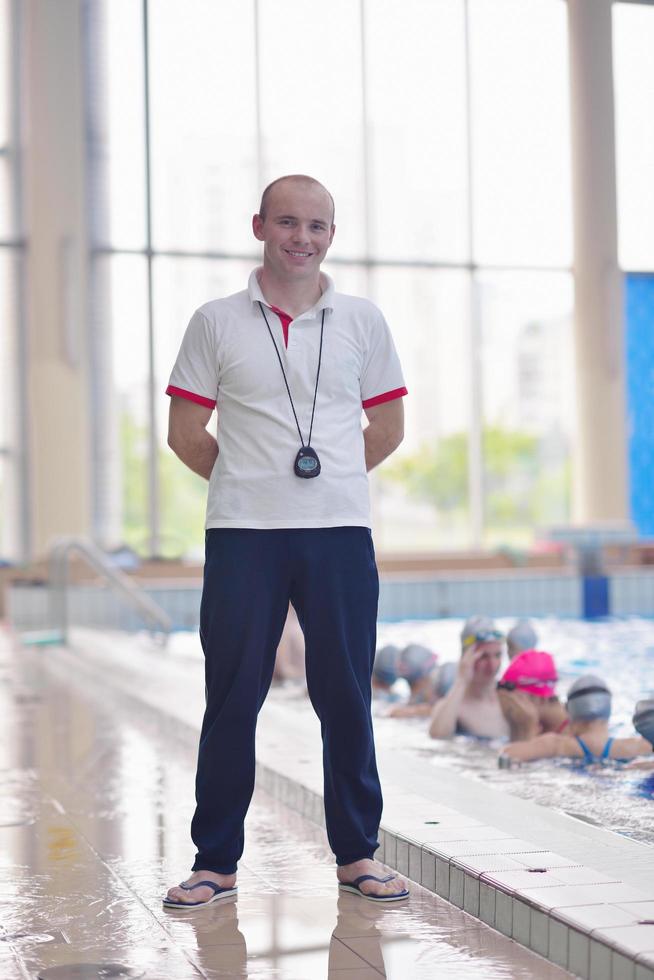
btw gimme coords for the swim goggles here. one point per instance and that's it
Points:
(484, 636)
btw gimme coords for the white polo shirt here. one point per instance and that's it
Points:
(227, 361)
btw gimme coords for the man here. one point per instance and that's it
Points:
(471, 706)
(289, 364)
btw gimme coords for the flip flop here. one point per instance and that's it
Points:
(218, 893)
(355, 888)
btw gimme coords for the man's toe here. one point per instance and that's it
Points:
(178, 894)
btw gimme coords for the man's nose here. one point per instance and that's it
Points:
(301, 234)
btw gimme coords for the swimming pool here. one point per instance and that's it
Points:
(620, 650)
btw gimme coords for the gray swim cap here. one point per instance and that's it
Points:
(445, 678)
(644, 719)
(386, 664)
(416, 662)
(522, 637)
(588, 699)
(477, 626)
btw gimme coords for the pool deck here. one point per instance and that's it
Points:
(577, 894)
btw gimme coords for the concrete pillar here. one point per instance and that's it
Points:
(600, 463)
(57, 264)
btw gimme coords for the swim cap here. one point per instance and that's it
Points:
(521, 636)
(532, 671)
(644, 719)
(445, 678)
(386, 664)
(479, 629)
(416, 662)
(589, 698)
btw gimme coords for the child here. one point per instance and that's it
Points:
(528, 697)
(384, 671)
(418, 666)
(522, 636)
(587, 736)
(644, 725)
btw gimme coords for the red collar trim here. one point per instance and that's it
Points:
(285, 319)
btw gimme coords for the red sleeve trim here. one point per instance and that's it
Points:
(191, 396)
(388, 396)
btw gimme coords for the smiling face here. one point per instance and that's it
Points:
(296, 229)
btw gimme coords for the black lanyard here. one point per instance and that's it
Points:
(306, 464)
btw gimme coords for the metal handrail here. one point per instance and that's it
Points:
(58, 566)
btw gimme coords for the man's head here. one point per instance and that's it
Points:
(296, 224)
(481, 633)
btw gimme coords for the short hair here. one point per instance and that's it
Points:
(302, 178)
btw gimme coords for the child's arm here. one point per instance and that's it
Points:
(645, 764)
(546, 746)
(628, 748)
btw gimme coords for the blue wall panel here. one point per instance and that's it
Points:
(639, 291)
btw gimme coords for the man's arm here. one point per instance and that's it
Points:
(445, 714)
(188, 437)
(385, 431)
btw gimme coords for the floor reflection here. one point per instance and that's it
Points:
(95, 802)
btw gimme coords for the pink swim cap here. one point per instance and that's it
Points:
(534, 672)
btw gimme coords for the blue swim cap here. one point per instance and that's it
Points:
(589, 699)
(644, 719)
(386, 664)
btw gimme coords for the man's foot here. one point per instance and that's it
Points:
(348, 873)
(204, 894)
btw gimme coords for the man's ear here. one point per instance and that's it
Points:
(257, 227)
(331, 235)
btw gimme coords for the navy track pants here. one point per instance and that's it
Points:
(330, 576)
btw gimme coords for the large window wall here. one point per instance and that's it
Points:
(442, 129)
(633, 43)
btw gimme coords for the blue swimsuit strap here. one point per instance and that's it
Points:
(588, 755)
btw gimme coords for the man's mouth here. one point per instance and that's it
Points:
(301, 255)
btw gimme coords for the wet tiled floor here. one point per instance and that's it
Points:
(94, 814)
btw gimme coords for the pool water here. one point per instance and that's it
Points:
(619, 651)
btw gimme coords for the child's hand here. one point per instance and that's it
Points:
(521, 712)
(551, 715)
